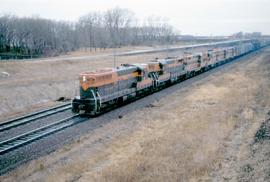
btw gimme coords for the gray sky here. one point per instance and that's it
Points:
(199, 17)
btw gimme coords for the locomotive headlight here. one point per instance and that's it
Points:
(84, 78)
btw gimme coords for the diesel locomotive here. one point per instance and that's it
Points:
(104, 88)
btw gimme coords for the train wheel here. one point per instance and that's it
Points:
(75, 108)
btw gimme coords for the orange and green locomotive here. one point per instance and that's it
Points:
(106, 88)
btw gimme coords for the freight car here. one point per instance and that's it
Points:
(105, 88)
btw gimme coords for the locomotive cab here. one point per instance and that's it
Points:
(89, 100)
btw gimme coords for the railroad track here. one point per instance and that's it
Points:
(30, 136)
(33, 117)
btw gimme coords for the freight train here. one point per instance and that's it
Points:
(105, 88)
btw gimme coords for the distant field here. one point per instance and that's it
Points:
(87, 51)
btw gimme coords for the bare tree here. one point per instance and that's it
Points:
(34, 36)
(117, 22)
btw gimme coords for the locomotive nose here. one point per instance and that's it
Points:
(84, 86)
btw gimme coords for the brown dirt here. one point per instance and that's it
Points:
(203, 132)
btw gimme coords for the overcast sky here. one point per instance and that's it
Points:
(198, 17)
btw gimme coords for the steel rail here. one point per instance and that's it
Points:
(33, 116)
(30, 136)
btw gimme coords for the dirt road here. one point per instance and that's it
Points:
(215, 129)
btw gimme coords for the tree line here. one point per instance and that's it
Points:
(116, 27)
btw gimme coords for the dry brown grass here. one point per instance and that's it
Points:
(179, 145)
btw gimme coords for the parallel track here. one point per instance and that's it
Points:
(15, 142)
(33, 116)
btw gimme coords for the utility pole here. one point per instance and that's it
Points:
(114, 57)
(167, 46)
(114, 49)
